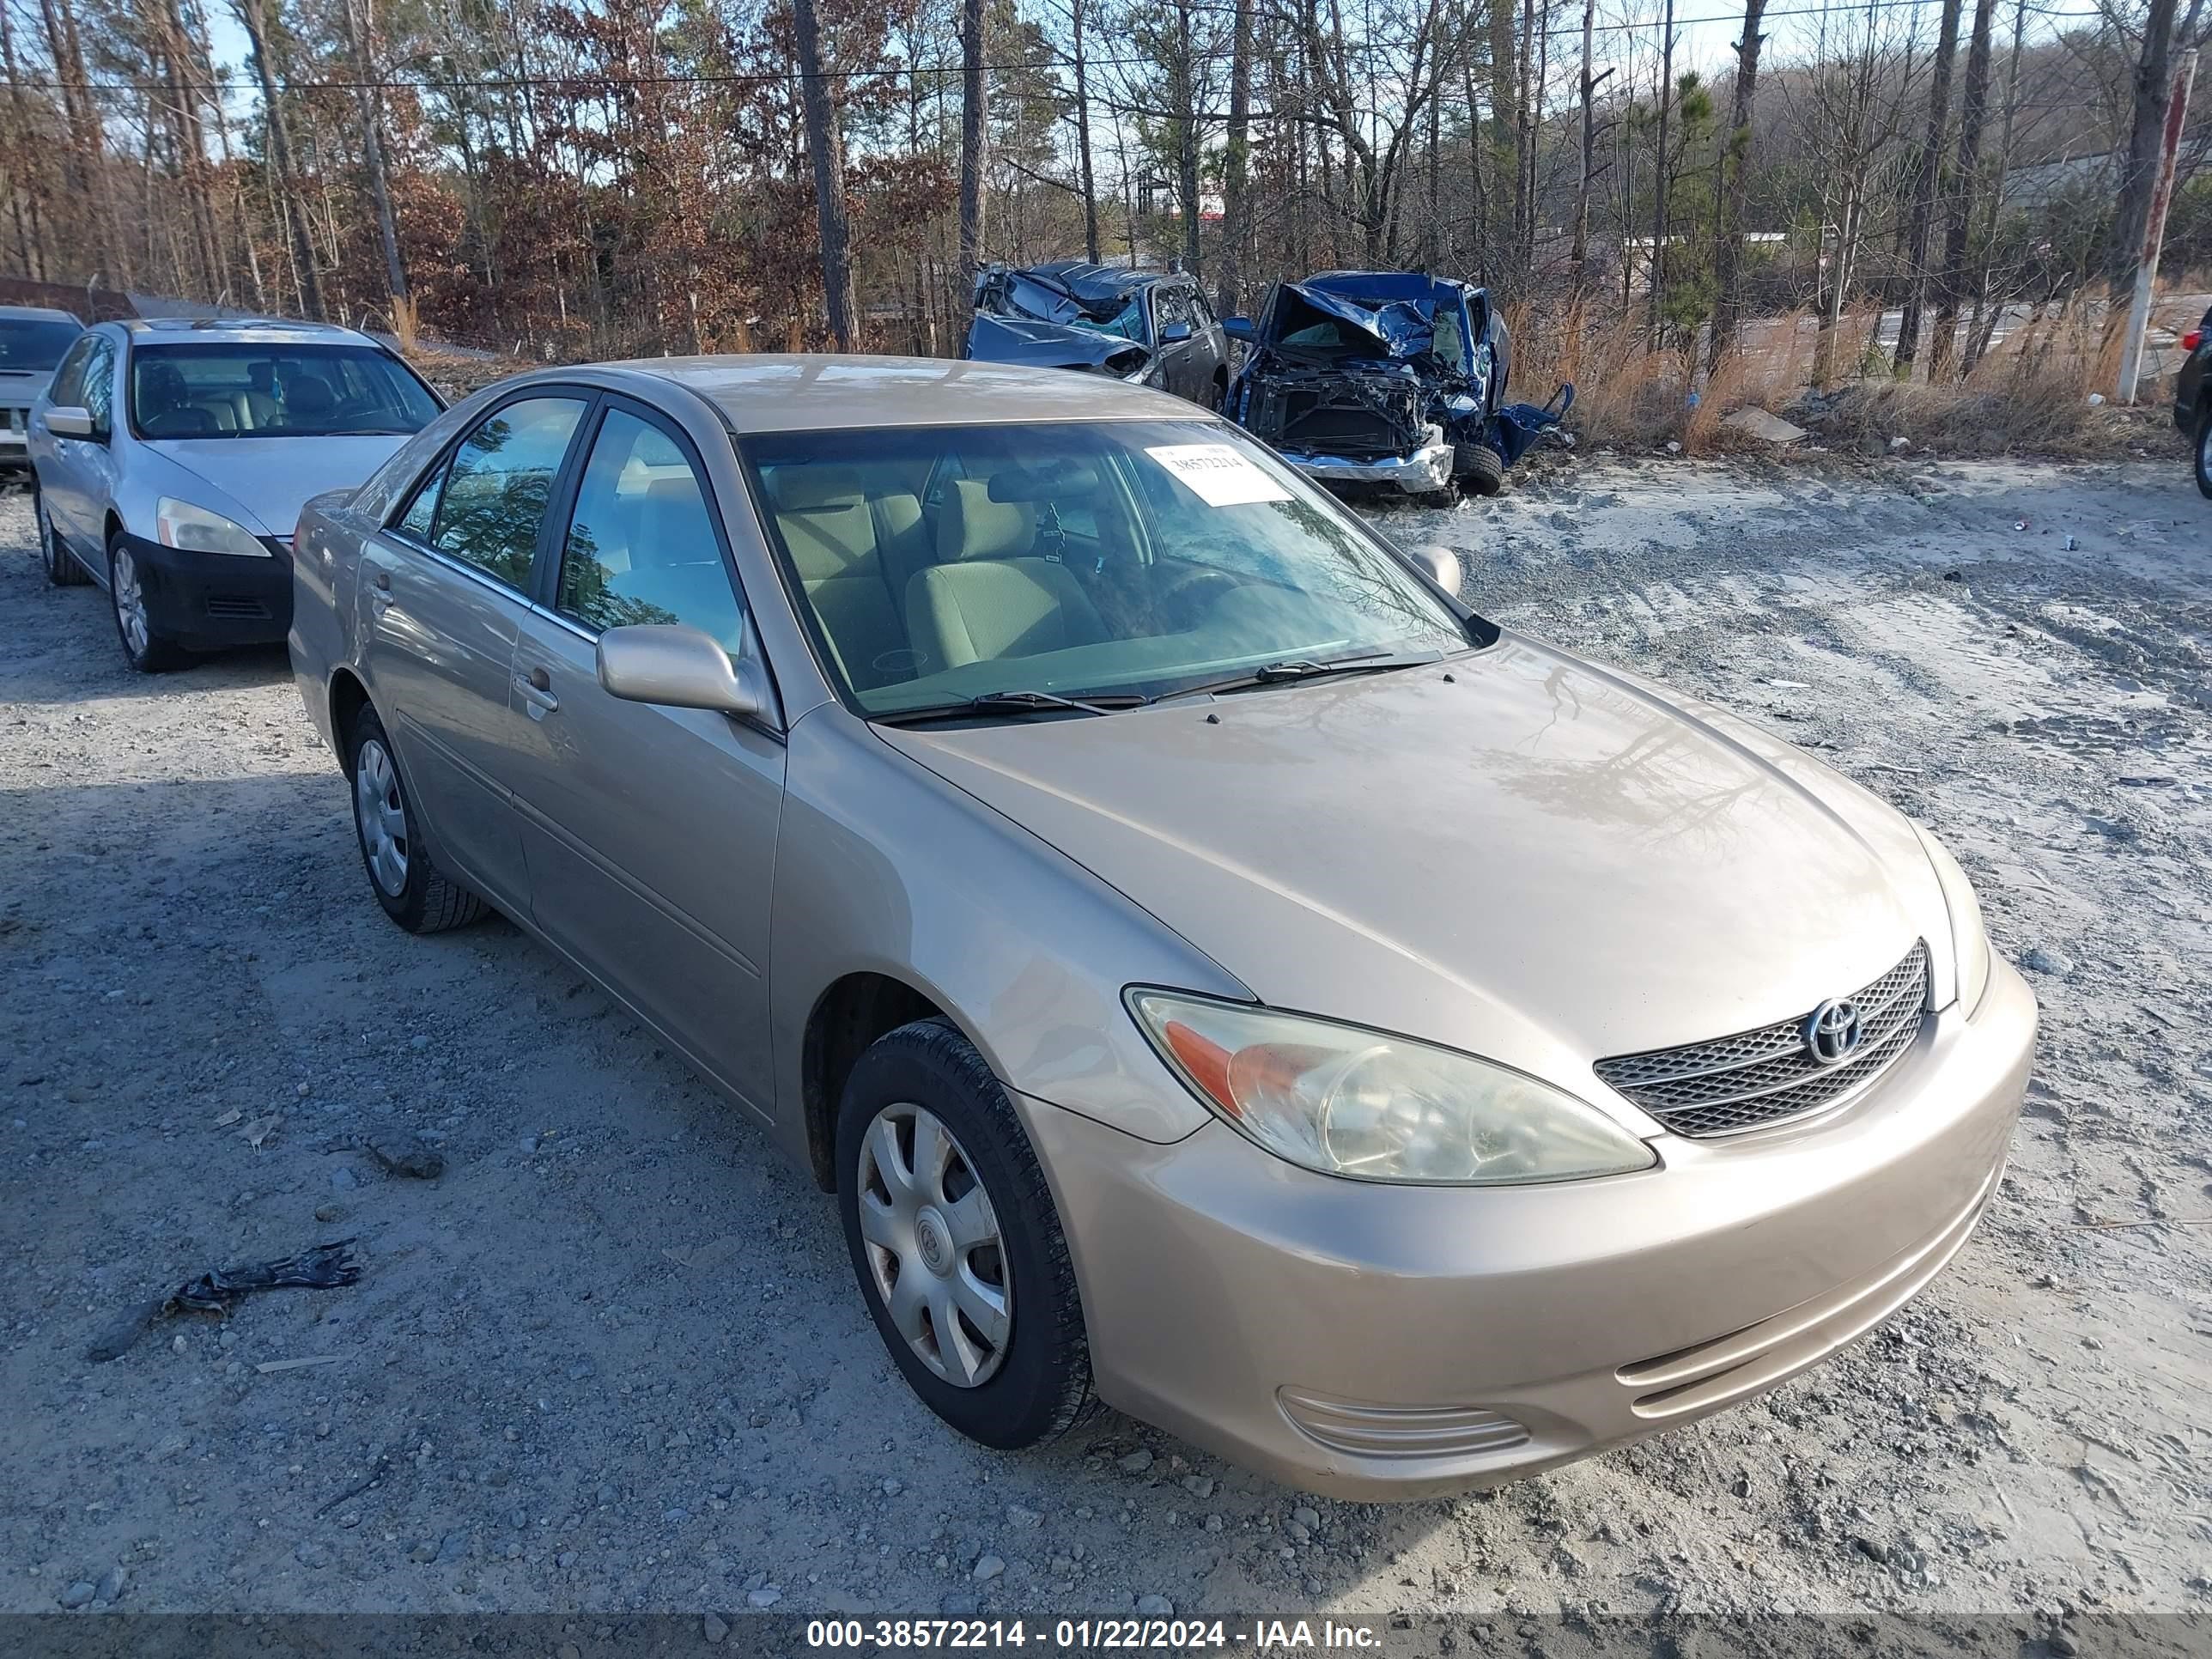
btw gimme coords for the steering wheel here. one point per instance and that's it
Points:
(1189, 594)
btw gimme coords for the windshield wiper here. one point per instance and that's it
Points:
(997, 703)
(1305, 668)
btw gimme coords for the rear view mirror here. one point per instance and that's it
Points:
(1239, 328)
(1173, 333)
(69, 421)
(1441, 566)
(675, 665)
(1038, 484)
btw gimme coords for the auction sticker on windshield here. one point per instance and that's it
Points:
(1218, 475)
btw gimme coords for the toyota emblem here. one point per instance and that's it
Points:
(1832, 1031)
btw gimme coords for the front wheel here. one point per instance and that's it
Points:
(2204, 449)
(1480, 468)
(414, 891)
(955, 1242)
(62, 568)
(149, 651)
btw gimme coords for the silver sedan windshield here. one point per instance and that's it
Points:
(938, 564)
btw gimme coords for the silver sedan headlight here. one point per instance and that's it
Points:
(1970, 940)
(1350, 1101)
(196, 530)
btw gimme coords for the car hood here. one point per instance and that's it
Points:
(1535, 860)
(20, 387)
(272, 479)
(995, 339)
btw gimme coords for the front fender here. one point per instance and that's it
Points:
(883, 867)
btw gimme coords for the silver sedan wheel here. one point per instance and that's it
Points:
(933, 1247)
(382, 820)
(131, 603)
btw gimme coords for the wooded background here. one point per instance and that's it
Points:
(569, 179)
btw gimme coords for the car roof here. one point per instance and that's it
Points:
(244, 331)
(772, 393)
(1097, 282)
(39, 314)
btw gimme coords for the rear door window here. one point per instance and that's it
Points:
(498, 483)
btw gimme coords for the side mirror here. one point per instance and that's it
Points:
(1175, 333)
(676, 665)
(1441, 566)
(1240, 328)
(70, 421)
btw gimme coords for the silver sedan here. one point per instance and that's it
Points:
(1217, 972)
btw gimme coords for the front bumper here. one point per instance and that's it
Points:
(211, 599)
(1368, 1342)
(1422, 471)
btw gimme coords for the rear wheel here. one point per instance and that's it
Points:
(149, 652)
(62, 568)
(955, 1242)
(2204, 448)
(414, 891)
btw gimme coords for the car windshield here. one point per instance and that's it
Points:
(35, 342)
(1125, 558)
(274, 390)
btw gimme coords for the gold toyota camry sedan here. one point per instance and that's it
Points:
(1217, 971)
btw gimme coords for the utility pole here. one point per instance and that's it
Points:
(2177, 112)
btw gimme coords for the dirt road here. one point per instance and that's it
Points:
(612, 1359)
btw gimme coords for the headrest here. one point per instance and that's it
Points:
(802, 488)
(971, 526)
(309, 394)
(677, 488)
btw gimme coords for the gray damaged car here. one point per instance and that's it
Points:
(1148, 327)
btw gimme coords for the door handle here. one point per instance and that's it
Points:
(536, 688)
(380, 593)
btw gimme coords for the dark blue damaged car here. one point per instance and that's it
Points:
(1390, 379)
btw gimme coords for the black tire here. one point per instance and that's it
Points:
(153, 651)
(1479, 468)
(427, 900)
(2204, 449)
(1042, 1387)
(1216, 392)
(62, 568)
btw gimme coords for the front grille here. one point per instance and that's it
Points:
(1758, 1077)
(237, 607)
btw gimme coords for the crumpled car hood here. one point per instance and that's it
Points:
(1537, 860)
(1396, 327)
(995, 339)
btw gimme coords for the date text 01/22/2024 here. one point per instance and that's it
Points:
(1091, 1635)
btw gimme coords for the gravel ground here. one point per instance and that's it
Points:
(612, 1359)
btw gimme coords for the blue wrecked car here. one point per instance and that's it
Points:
(1389, 380)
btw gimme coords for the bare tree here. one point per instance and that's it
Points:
(253, 14)
(1735, 166)
(1924, 186)
(825, 144)
(1965, 184)
(975, 119)
(2153, 75)
(1236, 166)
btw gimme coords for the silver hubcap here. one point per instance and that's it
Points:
(130, 603)
(382, 820)
(932, 1245)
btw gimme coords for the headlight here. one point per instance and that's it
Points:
(1349, 1101)
(196, 530)
(1970, 940)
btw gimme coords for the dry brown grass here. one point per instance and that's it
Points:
(2029, 395)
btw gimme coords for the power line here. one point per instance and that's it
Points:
(793, 77)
